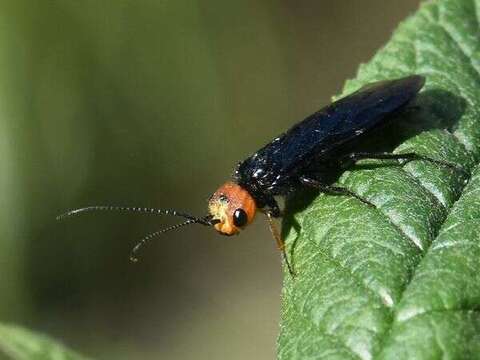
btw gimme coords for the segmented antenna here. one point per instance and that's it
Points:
(207, 220)
(142, 242)
(127, 209)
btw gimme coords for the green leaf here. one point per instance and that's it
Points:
(402, 280)
(17, 343)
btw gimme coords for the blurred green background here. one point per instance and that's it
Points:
(152, 103)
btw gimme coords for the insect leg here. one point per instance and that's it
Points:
(280, 243)
(333, 190)
(273, 208)
(351, 158)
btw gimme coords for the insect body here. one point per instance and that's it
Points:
(290, 160)
(301, 157)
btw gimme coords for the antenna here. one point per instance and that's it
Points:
(207, 221)
(128, 209)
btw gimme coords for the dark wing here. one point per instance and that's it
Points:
(272, 167)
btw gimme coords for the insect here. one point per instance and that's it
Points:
(303, 156)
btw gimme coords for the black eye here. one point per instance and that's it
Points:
(240, 218)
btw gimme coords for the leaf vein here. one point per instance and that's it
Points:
(332, 338)
(473, 309)
(359, 281)
(388, 332)
(462, 50)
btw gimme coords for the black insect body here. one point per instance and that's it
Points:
(301, 157)
(287, 162)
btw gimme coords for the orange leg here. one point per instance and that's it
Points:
(280, 242)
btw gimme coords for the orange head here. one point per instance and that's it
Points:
(232, 207)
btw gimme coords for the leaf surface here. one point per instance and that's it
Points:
(17, 343)
(402, 280)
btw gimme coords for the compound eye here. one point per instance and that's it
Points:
(240, 218)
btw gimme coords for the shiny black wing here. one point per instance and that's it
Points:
(272, 167)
